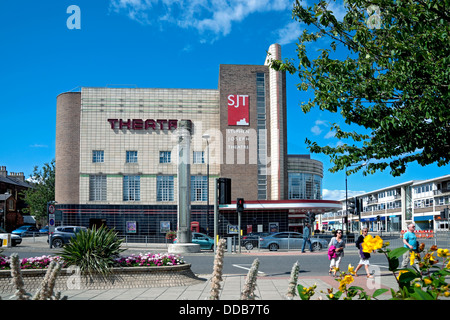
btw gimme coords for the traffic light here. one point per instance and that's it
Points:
(351, 207)
(310, 217)
(240, 205)
(224, 186)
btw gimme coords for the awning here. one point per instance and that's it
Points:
(423, 218)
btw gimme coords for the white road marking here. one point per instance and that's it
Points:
(246, 268)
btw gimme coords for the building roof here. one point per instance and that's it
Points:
(14, 181)
(5, 196)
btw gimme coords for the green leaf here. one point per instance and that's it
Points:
(379, 292)
(300, 292)
(398, 252)
(408, 276)
(419, 294)
(393, 264)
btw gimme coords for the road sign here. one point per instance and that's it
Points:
(51, 223)
(51, 209)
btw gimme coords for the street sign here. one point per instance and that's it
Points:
(51, 209)
(51, 223)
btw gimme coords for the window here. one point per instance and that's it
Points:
(97, 188)
(131, 188)
(304, 186)
(198, 157)
(97, 156)
(199, 188)
(164, 157)
(132, 157)
(164, 188)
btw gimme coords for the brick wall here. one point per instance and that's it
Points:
(134, 277)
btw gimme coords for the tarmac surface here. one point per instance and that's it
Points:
(267, 287)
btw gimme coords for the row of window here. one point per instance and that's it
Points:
(388, 193)
(423, 203)
(304, 186)
(132, 188)
(98, 156)
(382, 206)
(423, 188)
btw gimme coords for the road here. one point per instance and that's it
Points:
(272, 264)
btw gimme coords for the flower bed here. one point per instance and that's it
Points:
(140, 260)
(135, 271)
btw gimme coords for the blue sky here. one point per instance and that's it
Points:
(155, 44)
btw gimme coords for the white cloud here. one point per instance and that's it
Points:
(37, 145)
(330, 134)
(215, 16)
(316, 129)
(289, 33)
(339, 194)
(338, 9)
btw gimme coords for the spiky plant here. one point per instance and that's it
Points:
(93, 251)
(217, 270)
(250, 284)
(293, 281)
(45, 291)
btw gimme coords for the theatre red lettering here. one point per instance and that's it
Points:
(149, 123)
(140, 124)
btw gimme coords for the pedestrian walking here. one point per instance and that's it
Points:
(364, 256)
(339, 244)
(306, 238)
(410, 242)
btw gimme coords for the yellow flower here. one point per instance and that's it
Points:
(443, 253)
(345, 281)
(351, 269)
(412, 257)
(371, 244)
(447, 294)
(427, 281)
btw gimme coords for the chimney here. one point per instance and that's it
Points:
(18, 176)
(3, 172)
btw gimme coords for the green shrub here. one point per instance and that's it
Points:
(93, 251)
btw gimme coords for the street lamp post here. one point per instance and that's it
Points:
(207, 137)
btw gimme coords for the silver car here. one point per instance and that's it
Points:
(62, 235)
(290, 240)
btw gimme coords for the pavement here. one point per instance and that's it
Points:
(267, 287)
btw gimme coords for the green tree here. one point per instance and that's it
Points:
(42, 192)
(393, 84)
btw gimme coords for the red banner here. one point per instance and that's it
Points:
(238, 110)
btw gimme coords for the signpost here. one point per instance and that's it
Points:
(51, 220)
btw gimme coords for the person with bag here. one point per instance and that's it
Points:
(364, 261)
(339, 244)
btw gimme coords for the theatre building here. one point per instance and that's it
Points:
(117, 156)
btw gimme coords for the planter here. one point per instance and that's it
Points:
(128, 277)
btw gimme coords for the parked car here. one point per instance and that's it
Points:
(289, 240)
(62, 235)
(206, 242)
(251, 240)
(26, 231)
(44, 230)
(15, 239)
